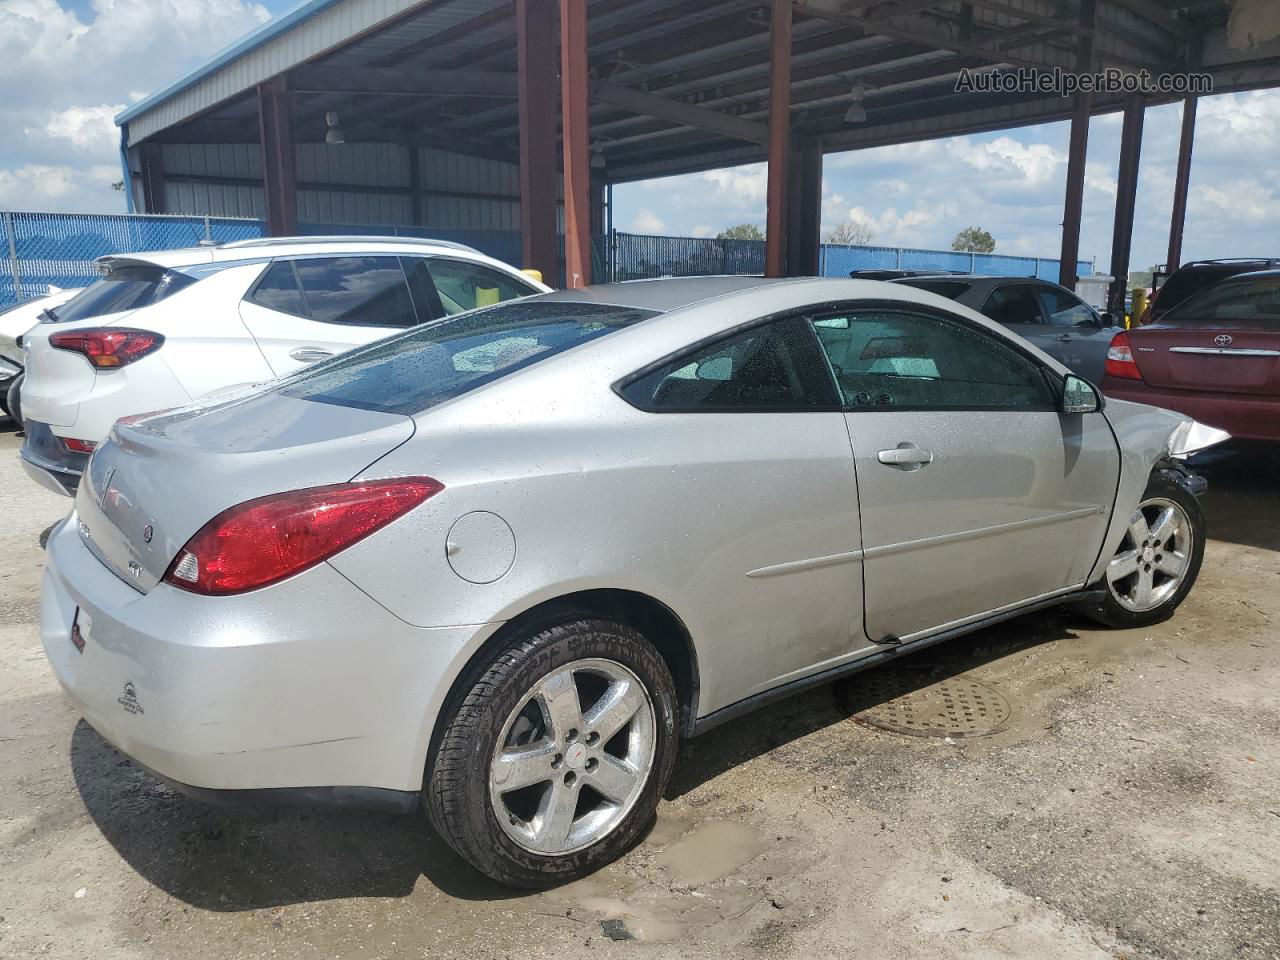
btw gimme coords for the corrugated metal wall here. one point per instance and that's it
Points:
(456, 192)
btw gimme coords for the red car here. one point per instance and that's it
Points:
(1215, 357)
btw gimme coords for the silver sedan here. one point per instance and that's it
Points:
(504, 561)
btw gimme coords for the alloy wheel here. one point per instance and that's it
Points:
(573, 757)
(1154, 556)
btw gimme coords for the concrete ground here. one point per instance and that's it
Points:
(1127, 808)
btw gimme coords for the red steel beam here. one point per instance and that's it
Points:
(576, 140)
(775, 234)
(536, 82)
(1126, 200)
(275, 128)
(1073, 205)
(1182, 183)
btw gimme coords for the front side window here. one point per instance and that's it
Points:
(1014, 303)
(1064, 310)
(364, 291)
(465, 286)
(771, 367)
(415, 370)
(886, 359)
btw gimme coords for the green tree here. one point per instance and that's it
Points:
(851, 233)
(743, 231)
(974, 240)
(1141, 278)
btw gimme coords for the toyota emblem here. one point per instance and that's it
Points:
(1223, 340)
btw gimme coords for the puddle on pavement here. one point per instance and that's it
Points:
(714, 849)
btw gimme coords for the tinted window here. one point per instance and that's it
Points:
(770, 367)
(465, 286)
(443, 359)
(278, 290)
(1064, 310)
(124, 288)
(1183, 284)
(951, 289)
(887, 359)
(1244, 302)
(1014, 303)
(365, 291)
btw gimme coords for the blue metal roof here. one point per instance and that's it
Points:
(250, 41)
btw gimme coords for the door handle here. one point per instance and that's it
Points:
(905, 456)
(310, 354)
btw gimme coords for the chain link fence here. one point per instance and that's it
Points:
(42, 249)
(39, 250)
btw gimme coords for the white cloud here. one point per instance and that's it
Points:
(702, 230)
(65, 75)
(646, 221)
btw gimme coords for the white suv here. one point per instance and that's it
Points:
(163, 329)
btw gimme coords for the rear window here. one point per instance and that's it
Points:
(951, 289)
(1232, 303)
(124, 288)
(1187, 283)
(410, 372)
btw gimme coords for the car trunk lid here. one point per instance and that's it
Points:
(158, 480)
(1224, 359)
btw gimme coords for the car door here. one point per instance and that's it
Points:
(1080, 331)
(975, 494)
(1016, 307)
(306, 309)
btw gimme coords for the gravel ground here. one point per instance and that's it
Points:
(1127, 807)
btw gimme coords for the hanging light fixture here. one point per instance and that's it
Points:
(334, 132)
(856, 113)
(597, 156)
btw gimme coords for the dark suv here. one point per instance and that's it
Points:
(1172, 289)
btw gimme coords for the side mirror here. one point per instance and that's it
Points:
(1079, 396)
(1106, 319)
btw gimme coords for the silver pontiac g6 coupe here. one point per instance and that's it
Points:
(504, 561)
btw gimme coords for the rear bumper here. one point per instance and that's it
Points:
(48, 462)
(284, 692)
(1241, 415)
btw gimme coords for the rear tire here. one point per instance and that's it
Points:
(569, 736)
(1157, 561)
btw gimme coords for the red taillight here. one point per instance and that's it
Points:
(78, 446)
(1120, 362)
(108, 347)
(261, 541)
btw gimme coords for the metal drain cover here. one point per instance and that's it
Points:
(893, 700)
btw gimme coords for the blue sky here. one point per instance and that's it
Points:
(67, 68)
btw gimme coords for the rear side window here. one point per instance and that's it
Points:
(444, 359)
(1015, 303)
(951, 289)
(124, 288)
(768, 368)
(278, 290)
(362, 291)
(465, 286)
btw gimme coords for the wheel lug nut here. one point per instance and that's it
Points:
(592, 739)
(571, 735)
(592, 764)
(556, 761)
(569, 778)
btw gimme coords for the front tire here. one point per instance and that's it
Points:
(1157, 561)
(554, 755)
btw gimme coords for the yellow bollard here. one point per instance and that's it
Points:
(1139, 306)
(532, 274)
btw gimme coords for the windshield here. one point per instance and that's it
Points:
(124, 288)
(410, 372)
(1245, 301)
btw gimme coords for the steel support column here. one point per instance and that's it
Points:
(775, 248)
(536, 84)
(275, 128)
(576, 142)
(1073, 206)
(1182, 183)
(804, 220)
(152, 178)
(1126, 200)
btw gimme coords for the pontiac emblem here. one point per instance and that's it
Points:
(1223, 340)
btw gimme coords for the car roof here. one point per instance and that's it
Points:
(665, 294)
(261, 248)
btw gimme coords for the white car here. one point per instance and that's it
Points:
(160, 330)
(15, 320)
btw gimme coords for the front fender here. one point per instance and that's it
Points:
(1150, 439)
